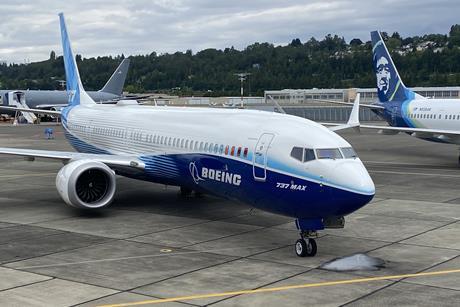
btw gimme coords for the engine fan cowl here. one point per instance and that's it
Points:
(86, 184)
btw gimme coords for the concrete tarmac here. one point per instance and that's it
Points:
(151, 244)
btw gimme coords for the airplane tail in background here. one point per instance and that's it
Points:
(117, 80)
(390, 87)
(75, 90)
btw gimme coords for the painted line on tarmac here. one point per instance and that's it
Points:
(28, 175)
(284, 288)
(414, 173)
(163, 253)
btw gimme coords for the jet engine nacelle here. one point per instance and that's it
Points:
(86, 184)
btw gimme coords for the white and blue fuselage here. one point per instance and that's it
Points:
(242, 155)
(429, 114)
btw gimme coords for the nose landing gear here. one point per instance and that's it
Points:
(306, 246)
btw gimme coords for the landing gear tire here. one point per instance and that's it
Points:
(305, 247)
(185, 192)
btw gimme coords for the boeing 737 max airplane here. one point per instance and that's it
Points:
(276, 162)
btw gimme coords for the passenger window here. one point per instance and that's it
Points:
(226, 149)
(328, 153)
(221, 149)
(245, 153)
(238, 153)
(297, 153)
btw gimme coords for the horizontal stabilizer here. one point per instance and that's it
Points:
(37, 111)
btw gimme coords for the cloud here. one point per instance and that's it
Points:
(29, 30)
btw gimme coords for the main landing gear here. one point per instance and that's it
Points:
(306, 245)
(186, 192)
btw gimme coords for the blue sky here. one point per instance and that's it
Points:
(29, 30)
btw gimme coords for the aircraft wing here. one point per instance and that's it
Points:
(113, 161)
(370, 106)
(420, 132)
(38, 111)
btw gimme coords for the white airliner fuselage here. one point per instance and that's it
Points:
(202, 148)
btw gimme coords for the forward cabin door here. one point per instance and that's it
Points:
(259, 160)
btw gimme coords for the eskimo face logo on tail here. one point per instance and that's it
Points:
(383, 73)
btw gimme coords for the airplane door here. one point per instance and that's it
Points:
(259, 162)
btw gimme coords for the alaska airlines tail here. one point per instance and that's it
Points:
(117, 80)
(389, 84)
(75, 90)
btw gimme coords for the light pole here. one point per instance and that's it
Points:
(242, 77)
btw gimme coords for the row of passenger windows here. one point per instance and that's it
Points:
(236, 151)
(433, 116)
(308, 154)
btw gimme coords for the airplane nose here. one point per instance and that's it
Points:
(361, 180)
(354, 186)
(352, 175)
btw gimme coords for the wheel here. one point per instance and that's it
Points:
(199, 194)
(185, 192)
(301, 248)
(305, 248)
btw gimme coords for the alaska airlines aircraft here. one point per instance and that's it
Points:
(56, 100)
(436, 120)
(275, 162)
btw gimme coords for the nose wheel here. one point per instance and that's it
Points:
(305, 247)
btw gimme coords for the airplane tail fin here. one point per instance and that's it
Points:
(75, 90)
(117, 80)
(390, 87)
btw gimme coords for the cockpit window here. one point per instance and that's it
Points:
(309, 155)
(328, 153)
(297, 153)
(348, 152)
(303, 154)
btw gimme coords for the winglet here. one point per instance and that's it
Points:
(75, 90)
(353, 120)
